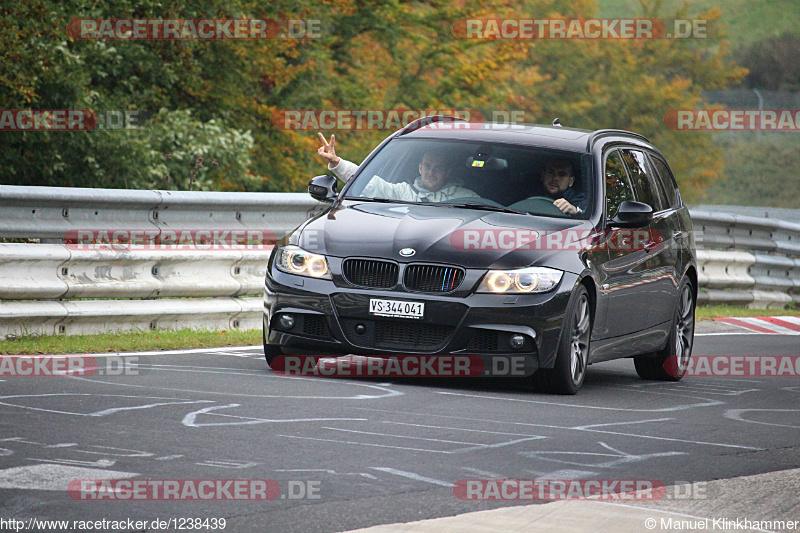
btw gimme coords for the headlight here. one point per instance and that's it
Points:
(524, 280)
(295, 260)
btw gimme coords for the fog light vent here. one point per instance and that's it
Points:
(286, 321)
(517, 341)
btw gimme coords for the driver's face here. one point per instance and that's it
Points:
(433, 171)
(557, 177)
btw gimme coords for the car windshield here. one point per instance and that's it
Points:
(477, 175)
(473, 175)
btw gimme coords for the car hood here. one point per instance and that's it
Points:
(468, 237)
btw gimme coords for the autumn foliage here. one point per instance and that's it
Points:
(205, 108)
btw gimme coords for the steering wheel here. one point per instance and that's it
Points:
(538, 205)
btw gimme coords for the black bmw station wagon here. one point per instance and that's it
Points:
(564, 246)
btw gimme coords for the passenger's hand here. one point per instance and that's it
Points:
(566, 207)
(328, 150)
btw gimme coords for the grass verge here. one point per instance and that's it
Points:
(186, 338)
(710, 312)
(129, 342)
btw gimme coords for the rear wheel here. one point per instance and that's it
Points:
(671, 363)
(567, 376)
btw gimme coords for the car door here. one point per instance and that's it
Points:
(660, 283)
(621, 312)
(631, 270)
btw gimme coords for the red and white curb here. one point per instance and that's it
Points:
(779, 325)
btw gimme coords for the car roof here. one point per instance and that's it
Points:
(541, 136)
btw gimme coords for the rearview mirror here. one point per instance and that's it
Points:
(323, 188)
(632, 215)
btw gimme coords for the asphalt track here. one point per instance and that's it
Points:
(352, 453)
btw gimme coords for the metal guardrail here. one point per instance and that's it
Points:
(51, 213)
(53, 287)
(54, 271)
(56, 288)
(747, 260)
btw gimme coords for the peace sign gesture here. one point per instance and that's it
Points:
(328, 150)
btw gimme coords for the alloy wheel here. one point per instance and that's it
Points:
(579, 343)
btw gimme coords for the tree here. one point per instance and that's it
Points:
(772, 63)
(218, 99)
(632, 85)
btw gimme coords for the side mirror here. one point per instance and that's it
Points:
(323, 188)
(632, 215)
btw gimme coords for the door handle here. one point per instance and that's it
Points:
(651, 245)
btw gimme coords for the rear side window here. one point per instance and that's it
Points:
(667, 181)
(643, 184)
(618, 189)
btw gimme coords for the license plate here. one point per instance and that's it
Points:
(396, 308)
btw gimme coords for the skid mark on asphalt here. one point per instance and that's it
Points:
(712, 386)
(71, 446)
(470, 430)
(112, 454)
(606, 424)
(227, 464)
(100, 463)
(444, 439)
(564, 474)
(328, 471)
(103, 412)
(485, 473)
(412, 475)
(372, 444)
(616, 457)
(384, 391)
(738, 414)
(53, 477)
(568, 428)
(704, 403)
(190, 419)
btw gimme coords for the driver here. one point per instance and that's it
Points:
(558, 181)
(432, 184)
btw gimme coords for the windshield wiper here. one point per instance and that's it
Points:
(487, 207)
(381, 200)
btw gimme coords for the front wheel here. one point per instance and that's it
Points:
(567, 376)
(671, 363)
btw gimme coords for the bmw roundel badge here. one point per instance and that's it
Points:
(407, 252)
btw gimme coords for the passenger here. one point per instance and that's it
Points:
(432, 184)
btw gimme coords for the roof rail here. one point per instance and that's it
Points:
(425, 121)
(596, 135)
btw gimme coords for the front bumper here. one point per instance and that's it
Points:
(332, 319)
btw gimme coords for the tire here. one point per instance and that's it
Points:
(671, 362)
(569, 371)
